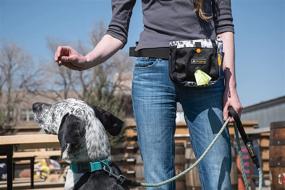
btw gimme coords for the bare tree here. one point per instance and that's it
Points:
(16, 76)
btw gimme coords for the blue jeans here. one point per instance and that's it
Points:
(154, 103)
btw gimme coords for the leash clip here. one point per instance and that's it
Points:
(120, 178)
(107, 169)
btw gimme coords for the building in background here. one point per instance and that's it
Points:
(265, 112)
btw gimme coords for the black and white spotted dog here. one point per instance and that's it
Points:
(81, 130)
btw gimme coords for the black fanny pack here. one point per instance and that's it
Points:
(195, 63)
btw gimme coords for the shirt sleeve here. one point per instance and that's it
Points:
(222, 16)
(121, 15)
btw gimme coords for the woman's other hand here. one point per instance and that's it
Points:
(70, 58)
(231, 99)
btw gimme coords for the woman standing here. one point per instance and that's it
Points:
(155, 95)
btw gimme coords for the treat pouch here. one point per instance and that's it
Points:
(195, 63)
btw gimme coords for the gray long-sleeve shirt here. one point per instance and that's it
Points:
(168, 20)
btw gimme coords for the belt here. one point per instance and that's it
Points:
(162, 53)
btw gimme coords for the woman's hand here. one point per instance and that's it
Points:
(231, 99)
(70, 58)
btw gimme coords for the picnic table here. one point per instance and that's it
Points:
(11, 142)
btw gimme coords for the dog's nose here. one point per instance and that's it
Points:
(37, 107)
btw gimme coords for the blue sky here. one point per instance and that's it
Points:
(259, 34)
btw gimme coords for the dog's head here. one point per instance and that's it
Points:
(80, 128)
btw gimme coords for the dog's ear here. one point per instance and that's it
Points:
(111, 123)
(71, 130)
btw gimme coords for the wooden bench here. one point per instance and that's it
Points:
(31, 156)
(33, 141)
(38, 154)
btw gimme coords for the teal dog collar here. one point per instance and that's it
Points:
(82, 167)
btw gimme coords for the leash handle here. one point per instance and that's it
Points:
(248, 143)
(234, 114)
